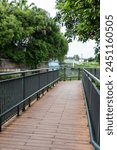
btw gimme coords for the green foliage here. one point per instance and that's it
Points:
(81, 18)
(91, 59)
(97, 52)
(28, 34)
(88, 65)
(15, 56)
(76, 57)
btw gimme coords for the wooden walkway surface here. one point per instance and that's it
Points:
(56, 122)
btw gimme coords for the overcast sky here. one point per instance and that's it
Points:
(84, 50)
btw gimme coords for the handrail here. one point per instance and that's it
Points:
(20, 72)
(92, 76)
(97, 147)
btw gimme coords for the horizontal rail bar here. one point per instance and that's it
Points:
(27, 71)
(92, 76)
(16, 78)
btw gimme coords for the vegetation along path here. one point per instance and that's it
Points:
(56, 122)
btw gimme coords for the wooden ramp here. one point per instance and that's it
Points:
(56, 122)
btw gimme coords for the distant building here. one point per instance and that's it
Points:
(53, 64)
(71, 61)
(81, 60)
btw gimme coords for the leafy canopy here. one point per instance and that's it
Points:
(81, 18)
(28, 34)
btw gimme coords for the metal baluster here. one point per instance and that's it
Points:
(24, 90)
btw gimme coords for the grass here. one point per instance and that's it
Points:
(4, 77)
(88, 65)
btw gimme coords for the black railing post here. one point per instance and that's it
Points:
(78, 73)
(38, 94)
(18, 109)
(47, 79)
(58, 74)
(29, 102)
(53, 76)
(90, 92)
(64, 74)
(24, 90)
(95, 72)
(61, 73)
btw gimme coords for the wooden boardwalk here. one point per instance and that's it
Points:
(56, 122)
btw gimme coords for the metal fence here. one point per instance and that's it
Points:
(21, 89)
(91, 86)
(94, 71)
(70, 73)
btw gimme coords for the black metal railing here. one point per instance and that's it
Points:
(21, 89)
(94, 71)
(91, 86)
(67, 73)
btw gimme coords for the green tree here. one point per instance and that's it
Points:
(22, 4)
(81, 18)
(28, 34)
(76, 57)
(10, 27)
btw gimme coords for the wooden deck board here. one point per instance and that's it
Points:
(56, 122)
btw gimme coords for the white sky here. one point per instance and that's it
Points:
(84, 50)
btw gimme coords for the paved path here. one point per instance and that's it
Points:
(56, 122)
